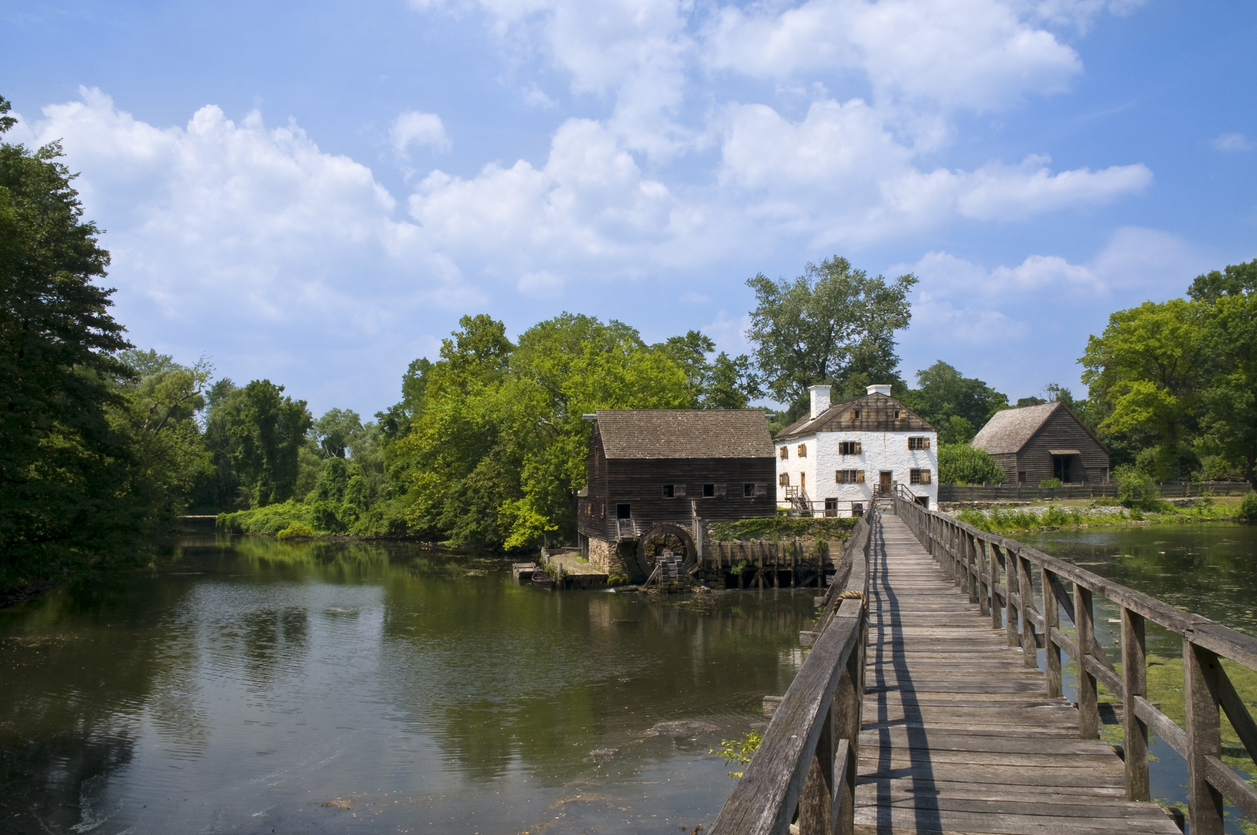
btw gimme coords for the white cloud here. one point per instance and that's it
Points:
(418, 128)
(977, 54)
(1231, 142)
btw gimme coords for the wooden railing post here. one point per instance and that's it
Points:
(993, 553)
(1134, 683)
(847, 703)
(1010, 588)
(816, 802)
(1051, 624)
(1029, 644)
(971, 558)
(1204, 739)
(1088, 699)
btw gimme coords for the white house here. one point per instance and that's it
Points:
(831, 460)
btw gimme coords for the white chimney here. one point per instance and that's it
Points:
(880, 390)
(820, 399)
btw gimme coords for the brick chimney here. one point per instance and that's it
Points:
(880, 390)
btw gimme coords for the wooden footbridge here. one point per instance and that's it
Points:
(923, 707)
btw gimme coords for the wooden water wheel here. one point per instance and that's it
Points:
(658, 540)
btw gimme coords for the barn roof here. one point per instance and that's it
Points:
(684, 433)
(877, 414)
(1010, 430)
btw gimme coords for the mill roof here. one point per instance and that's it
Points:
(684, 433)
(1010, 430)
(877, 414)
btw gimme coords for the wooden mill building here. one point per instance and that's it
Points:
(649, 468)
(1037, 443)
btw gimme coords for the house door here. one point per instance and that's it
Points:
(884, 479)
(803, 482)
(1060, 468)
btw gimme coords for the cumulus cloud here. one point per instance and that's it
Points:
(1232, 142)
(418, 128)
(979, 54)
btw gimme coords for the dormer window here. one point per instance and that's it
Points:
(855, 414)
(803, 450)
(898, 415)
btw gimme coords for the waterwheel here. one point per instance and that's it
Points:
(658, 539)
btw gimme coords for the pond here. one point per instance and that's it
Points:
(252, 686)
(1209, 569)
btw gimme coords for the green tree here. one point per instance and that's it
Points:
(1146, 374)
(1234, 280)
(722, 382)
(1228, 420)
(335, 431)
(828, 325)
(959, 463)
(66, 477)
(958, 406)
(255, 435)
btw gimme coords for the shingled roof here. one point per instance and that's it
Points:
(877, 414)
(684, 433)
(1010, 430)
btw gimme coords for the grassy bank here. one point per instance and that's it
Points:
(1010, 519)
(776, 528)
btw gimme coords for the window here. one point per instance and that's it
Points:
(783, 480)
(622, 512)
(918, 476)
(1021, 477)
(754, 491)
(898, 415)
(831, 508)
(748, 490)
(918, 443)
(720, 491)
(802, 481)
(709, 490)
(785, 453)
(673, 491)
(848, 447)
(857, 508)
(855, 414)
(848, 476)
(803, 450)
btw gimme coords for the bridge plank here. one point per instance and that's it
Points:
(959, 734)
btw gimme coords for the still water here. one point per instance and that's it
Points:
(253, 686)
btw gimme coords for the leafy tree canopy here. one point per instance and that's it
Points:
(829, 325)
(959, 463)
(958, 406)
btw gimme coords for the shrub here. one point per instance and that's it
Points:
(963, 464)
(1136, 489)
(1050, 483)
(297, 530)
(1248, 507)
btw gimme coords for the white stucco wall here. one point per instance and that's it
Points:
(878, 451)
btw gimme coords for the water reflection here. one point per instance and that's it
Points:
(253, 685)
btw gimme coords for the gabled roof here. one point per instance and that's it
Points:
(877, 414)
(684, 433)
(1010, 430)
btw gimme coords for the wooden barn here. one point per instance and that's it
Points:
(652, 472)
(1037, 443)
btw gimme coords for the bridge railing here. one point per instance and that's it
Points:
(998, 575)
(805, 765)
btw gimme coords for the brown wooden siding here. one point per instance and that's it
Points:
(639, 483)
(1060, 431)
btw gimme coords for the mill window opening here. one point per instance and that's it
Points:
(918, 443)
(785, 453)
(831, 508)
(848, 447)
(709, 491)
(803, 450)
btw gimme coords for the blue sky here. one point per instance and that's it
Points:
(315, 193)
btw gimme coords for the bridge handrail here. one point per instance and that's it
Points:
(806, 760)
(996, 573)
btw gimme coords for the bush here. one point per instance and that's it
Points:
(779, 527)
(297, 530)
(1136, 489)
(1248, 507)
(1050, 483)
(963, 464)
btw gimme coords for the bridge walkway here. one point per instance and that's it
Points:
(959, 735)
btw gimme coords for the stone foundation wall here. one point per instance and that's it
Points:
(607, 555)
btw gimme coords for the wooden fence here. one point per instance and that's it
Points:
(1028, 492)
(997, 574)
(806, 762)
